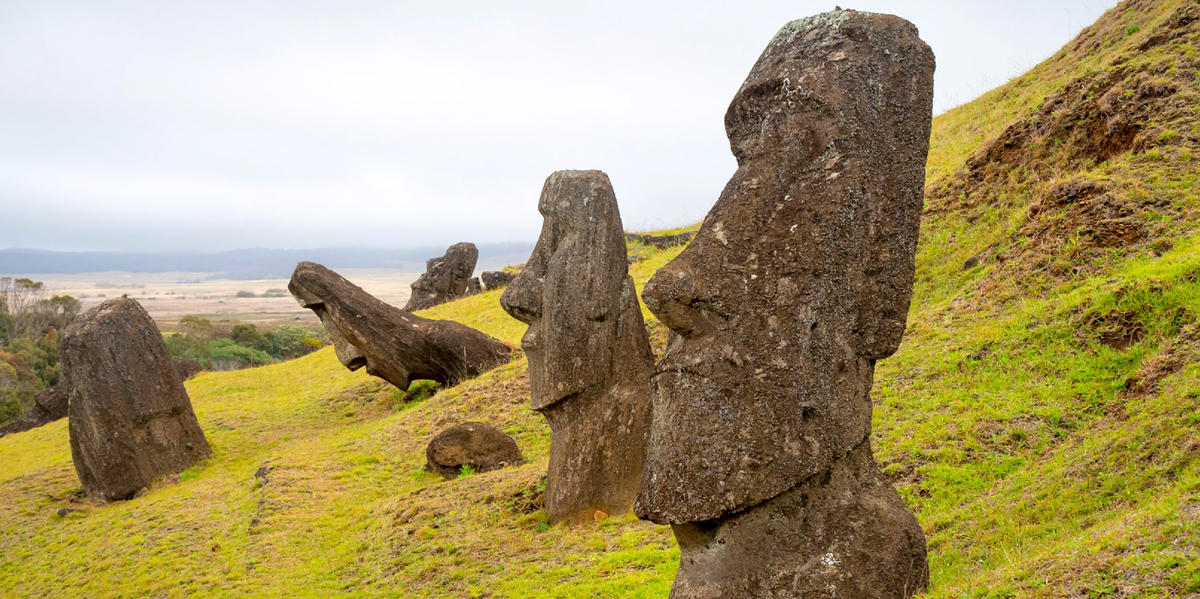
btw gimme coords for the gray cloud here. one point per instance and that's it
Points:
(217, 125)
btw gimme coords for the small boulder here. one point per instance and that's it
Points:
(482, 447)
(663, 242)
(187, 368)
(494, 279)
(473, 287)
(49, 404)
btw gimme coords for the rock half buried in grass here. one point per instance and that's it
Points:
(130, 418)
(589, 356)
(49, 404)
(187, 368)
(495, 279)
(798, 280)
(446, 277)
(476, 445)
(391, 343)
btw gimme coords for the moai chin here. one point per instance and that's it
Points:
(797, 282)
(589, 355)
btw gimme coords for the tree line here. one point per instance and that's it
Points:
(30, 322)
(32, 319)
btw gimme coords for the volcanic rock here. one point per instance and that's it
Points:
(446, 278)
(394, 345)
(129, 416)
(589, 356)
(798, 280)
(49, 404)
(495, 279)
(187, 368)
(482, 447)
(473, 286)
(663, 242)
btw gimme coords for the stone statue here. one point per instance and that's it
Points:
(589, 355)
(797, 282)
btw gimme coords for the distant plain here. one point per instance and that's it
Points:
(169, 296)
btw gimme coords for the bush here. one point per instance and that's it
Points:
(227, 355)
(245, 294)
(220, 347)
(10, 405)
(289, 341)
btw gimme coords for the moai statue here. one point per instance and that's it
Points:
(446, 278)
(797, 282)
(589, 355)
(129, 418)
(394, 345)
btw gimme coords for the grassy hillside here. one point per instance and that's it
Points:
(1042, 416)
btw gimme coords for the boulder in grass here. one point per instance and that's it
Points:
(479, 446)
(130, 418)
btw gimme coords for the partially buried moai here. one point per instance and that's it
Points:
(589, 355)
(797, 282)
(129, 416)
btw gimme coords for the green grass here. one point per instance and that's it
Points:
(1012, 419)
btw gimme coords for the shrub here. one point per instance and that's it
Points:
(244, 293)
(227, 355)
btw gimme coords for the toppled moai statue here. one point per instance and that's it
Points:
(495, 279)
(394, 345)
(446, 277)
(797, 282)
(130, 418)
(589, 356)
(482, 447)
(49, 404)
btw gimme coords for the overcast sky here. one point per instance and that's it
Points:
(220, 125)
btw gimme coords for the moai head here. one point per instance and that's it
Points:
(801, 274)
(311, 291)
(569, 292)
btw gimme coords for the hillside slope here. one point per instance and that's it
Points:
(1042, 416)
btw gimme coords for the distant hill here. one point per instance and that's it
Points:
(247, 263)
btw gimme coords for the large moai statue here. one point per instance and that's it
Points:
(446, 278)
(797, 282)
(394, 345)
(589, 355)
(129, 417)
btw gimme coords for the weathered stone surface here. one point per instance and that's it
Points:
(473, 286)
(589, 356)
(187, 368)
(392, 344)
(129, 416)
(845, 533)
(445, 278)
(797, 282)
(663, 242)
(48, 405)
(495, 279)
(482, 447)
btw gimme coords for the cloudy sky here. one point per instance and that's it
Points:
(218, 125)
